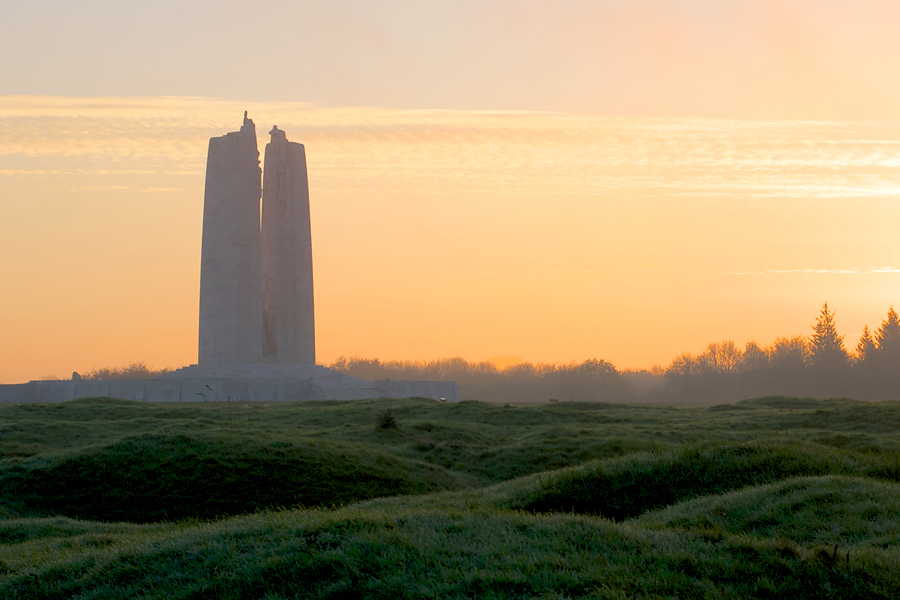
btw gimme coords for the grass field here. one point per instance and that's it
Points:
(767, 498)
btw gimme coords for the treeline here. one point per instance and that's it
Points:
(592, 379)
(136, 370)
(817, 366)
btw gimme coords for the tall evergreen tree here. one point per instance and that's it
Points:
(866, 348)
(826, 346)
(867, 380)
(887, 338)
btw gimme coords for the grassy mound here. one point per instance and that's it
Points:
(794, 478)
(423, 554)
(156, 477)
(826, 510)
(631, 485)
(791, 402)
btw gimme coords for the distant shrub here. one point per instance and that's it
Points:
(386, 420)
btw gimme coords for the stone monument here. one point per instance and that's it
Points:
(256, 280)
(257, 327)
(289, 332)
(230, 256)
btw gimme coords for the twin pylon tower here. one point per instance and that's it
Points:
(256, 280)
(257, 327)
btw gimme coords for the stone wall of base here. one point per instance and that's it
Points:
(221, 389)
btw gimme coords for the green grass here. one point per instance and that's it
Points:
(166, 477)
(631, 485)
(848, 512)
(769, 498)
(419, 553)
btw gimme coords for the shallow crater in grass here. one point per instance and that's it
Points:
(158, 477)
(828, 510)
(628, 486)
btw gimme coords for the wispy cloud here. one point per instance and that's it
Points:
(65, 172)
(840, 271)
(678, 272)
(444, 151)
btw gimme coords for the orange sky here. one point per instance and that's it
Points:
(619, 179)
(550, 236)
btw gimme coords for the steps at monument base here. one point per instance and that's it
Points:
(265, 371)
(231, 389)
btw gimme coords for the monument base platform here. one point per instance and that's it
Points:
(233, 383)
